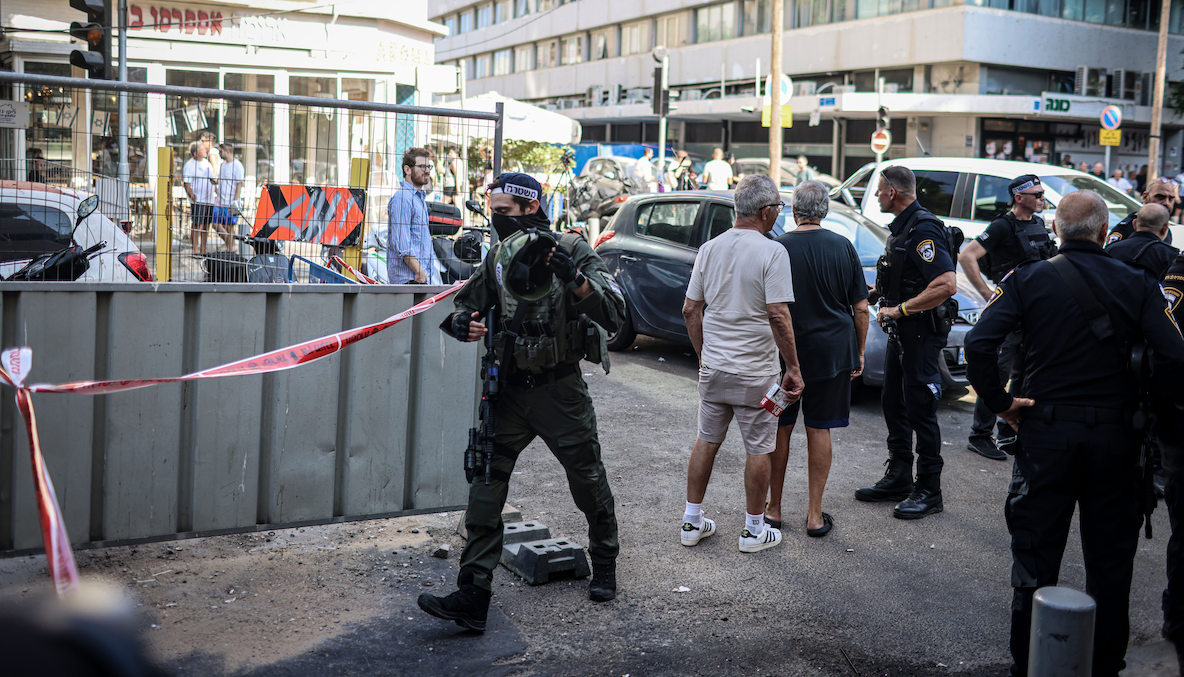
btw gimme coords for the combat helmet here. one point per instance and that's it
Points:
(521, 264)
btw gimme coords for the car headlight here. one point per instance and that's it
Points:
(969, 316)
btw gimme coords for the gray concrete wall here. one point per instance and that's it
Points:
(376, 429)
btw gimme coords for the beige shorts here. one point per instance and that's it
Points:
(723, 395)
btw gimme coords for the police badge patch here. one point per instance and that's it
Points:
(926, 250)
(1114, 237)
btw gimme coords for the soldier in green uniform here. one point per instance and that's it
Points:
(556, 301)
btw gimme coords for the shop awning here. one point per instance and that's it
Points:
(525, 122)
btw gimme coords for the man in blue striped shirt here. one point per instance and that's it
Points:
(410, 258)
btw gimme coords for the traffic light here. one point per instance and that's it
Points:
(96, 58)
(882, 118)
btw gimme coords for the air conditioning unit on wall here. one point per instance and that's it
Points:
(1090, 81)
(804, 88)
(614, 95)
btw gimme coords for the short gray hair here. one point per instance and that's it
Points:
(1152, 217)
(811, 201)
(754, 192)
(1082, 215)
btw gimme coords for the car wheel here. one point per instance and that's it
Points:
(624, 336)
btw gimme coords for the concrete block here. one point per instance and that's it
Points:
(509, 514)
(520, 532)
(538, 562)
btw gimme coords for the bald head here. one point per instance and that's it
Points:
(1082, 215)
(1153, 218)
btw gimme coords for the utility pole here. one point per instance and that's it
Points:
(124, 182)
(775, 96)
(1161, 63)
(662, 105)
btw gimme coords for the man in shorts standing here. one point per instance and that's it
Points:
(831, 309)
(198, 179)
(737, 318)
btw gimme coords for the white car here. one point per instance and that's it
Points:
(970, 192)
(37, 219)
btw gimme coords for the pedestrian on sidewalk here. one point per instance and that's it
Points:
(737, 319)
(831, 308)
(410, 257)
(198, 179)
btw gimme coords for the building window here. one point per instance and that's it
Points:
(481, 66)
(501, 11)
(548, 54)
(466, 22)
(521, 7)
(524, 59)
(450, 24)
(484, 14)
(503, 62)
(717, 22)
(672, 30)
(573, 50)
(602, 45)
(635, 38)
(758, 17)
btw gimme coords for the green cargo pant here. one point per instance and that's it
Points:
(561, 413)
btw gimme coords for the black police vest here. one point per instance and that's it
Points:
(1035, 245)
(891, 279)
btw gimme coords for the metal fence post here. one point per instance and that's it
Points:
(1062, 639)
(500, 106)
(164, 214)
(359, 177)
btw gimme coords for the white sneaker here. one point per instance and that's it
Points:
(767, 539)
(691, 534)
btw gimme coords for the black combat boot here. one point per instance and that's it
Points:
(468, 606)
(604, 582)
(896, 485)
(925, 500)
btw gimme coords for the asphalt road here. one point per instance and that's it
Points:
(897, 598)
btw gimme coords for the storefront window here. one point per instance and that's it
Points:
(104, 136)
(51, 111)
(187, 119)
(250, 127)
(313, 133)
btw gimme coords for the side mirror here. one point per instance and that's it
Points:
(86, 208)
(474, 206)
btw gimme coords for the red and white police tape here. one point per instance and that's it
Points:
(14, 368)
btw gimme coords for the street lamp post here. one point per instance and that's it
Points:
(662, 56)
(775, 96)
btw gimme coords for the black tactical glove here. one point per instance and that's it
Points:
(562, 265)
(460, 325)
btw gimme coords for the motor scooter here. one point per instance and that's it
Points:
(64, 265)
(267, 265)
(455, 258)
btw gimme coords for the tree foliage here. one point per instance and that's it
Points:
(518, 156)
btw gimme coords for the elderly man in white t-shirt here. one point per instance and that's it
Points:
(737, 318)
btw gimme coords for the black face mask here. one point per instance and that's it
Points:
(505, 226)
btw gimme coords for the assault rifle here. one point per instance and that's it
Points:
(481, 437)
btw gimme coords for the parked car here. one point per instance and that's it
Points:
(36, 218)
(970, 192)
(612, 167)
(789, 171)
(650, 248)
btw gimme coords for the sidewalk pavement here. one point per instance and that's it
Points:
(1157, 659)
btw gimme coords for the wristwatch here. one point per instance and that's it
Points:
(578, 282)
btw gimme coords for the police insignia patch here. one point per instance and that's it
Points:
(926, 250)
(499, 275)
(1114, 237)
(1172, 295)
(996, 295)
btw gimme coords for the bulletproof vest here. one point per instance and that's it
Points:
(1034, 242)
(891, 282)
(541, 335)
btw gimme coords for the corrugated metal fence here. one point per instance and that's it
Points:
(377, 429)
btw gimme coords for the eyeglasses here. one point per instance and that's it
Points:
(1038, 196)
(417, 166)
(778, 205)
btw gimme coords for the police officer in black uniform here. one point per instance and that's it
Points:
(1077, 444)
(1170, 429)
(915, 282)
(1146, 245)
(1018, 236)
(1162, 191)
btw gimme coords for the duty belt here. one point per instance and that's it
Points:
(1071, 414)
(528, 380)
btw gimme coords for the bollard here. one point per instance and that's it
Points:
(1062, 640)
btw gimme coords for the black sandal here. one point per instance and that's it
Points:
(828, 522)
